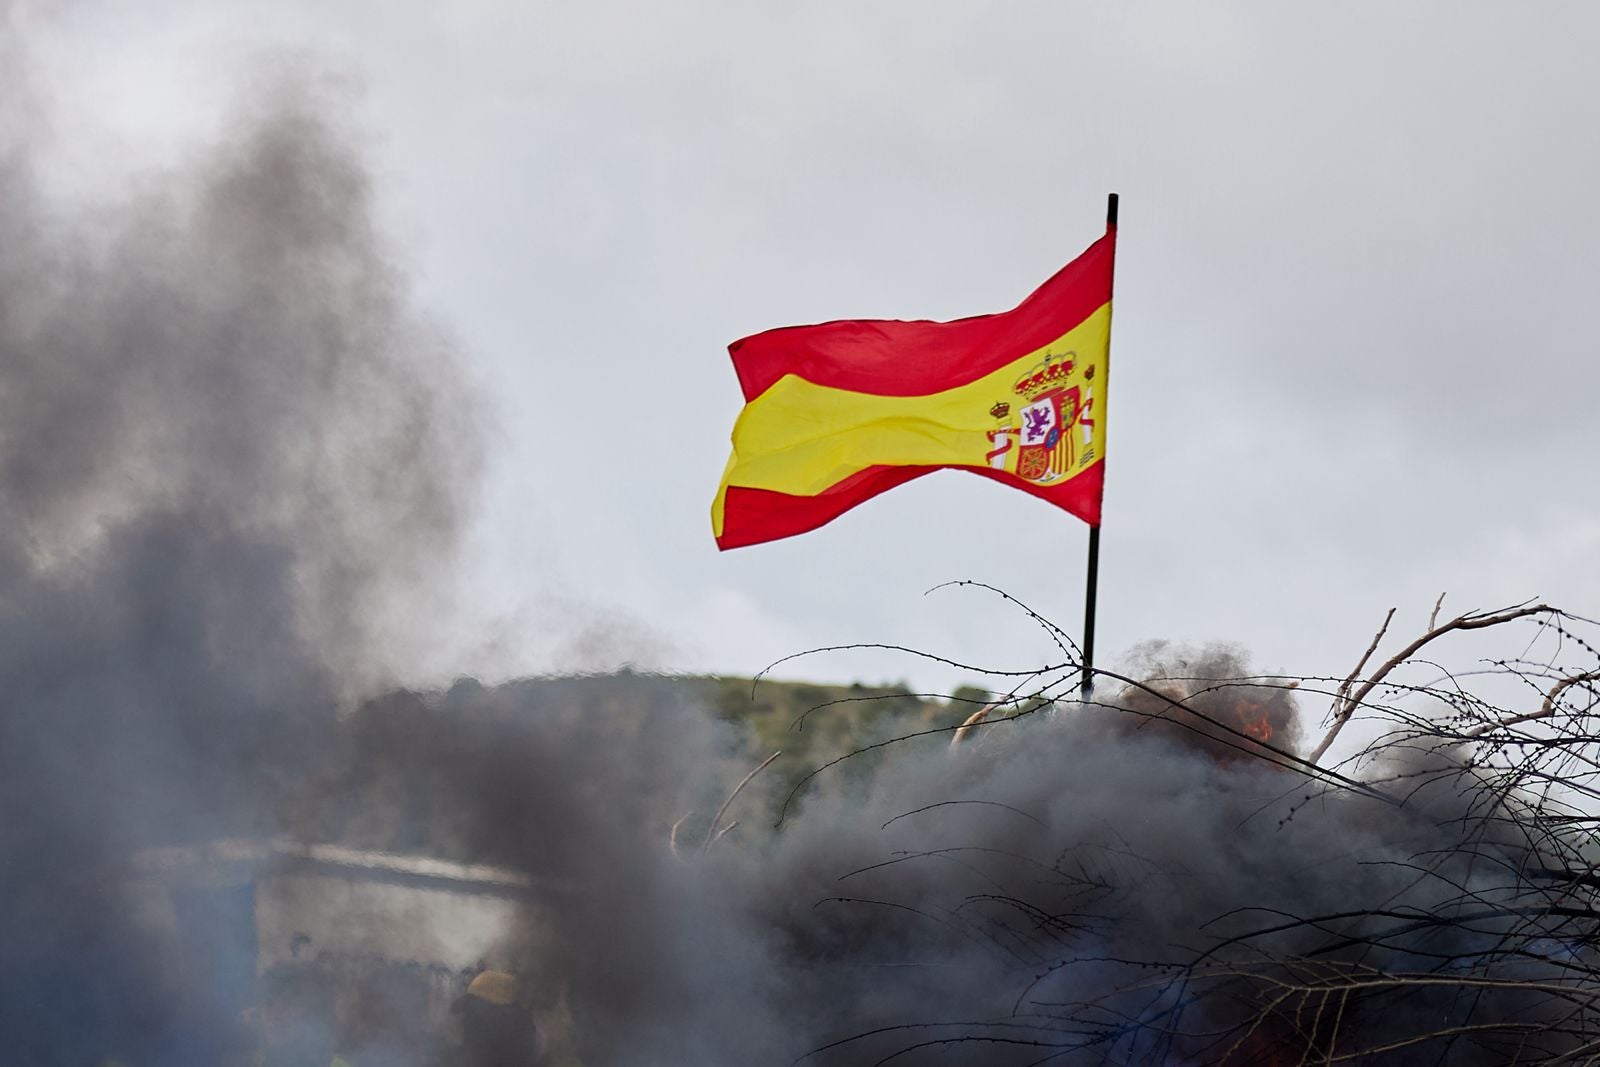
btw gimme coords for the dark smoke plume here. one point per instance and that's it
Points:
(226, 444)
(1138, 881)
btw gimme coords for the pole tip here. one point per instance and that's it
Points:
(1111, 209)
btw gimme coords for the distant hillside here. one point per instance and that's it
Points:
(814, 723)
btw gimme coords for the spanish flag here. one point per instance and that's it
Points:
(839, 412)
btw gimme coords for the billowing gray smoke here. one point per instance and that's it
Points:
(225, 441)
(1097, 885)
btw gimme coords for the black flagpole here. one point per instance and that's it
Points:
(1091, 586)
(1088, 613)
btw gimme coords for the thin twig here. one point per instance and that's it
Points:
(711, 832)
(672, 839)
(1344, 686)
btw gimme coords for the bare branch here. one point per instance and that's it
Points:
(1344, 686)
(1468, 621)
(972, 720)
(716, 820)
(1342, 708)
(1546, 709)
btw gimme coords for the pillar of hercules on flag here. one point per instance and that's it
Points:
(839, 412)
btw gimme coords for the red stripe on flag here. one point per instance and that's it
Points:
(894, 358)
(752, 516)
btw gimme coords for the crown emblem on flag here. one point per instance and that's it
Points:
(1050, 376)
(1000, 410)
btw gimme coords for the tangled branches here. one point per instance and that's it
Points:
(1422, 885)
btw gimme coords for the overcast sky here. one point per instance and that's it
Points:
(1353, 362)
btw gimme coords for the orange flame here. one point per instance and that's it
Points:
(1254, 722)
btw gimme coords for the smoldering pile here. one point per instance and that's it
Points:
(1095, 885)
(1066, 887)
(1154, 878)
